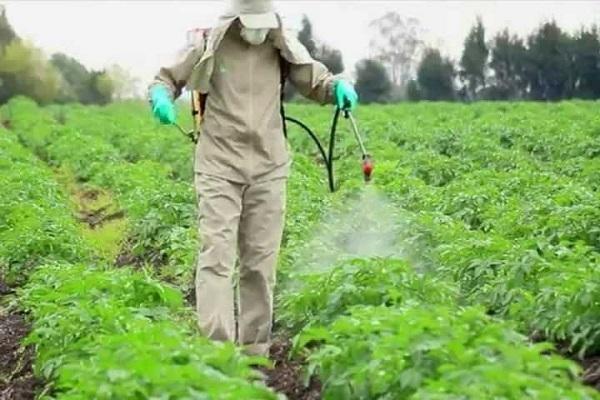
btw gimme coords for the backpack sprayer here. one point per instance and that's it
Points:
(198, 106)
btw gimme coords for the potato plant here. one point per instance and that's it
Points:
(98, 331)
(488, 237)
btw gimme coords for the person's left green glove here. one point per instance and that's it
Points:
(346, 97)
(163, 107)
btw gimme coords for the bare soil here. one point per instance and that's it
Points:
(287, 376)
(17, 381)
(590, 364)
(591, 371)
(127, 258)
(96, 218)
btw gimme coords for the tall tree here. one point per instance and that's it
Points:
(587, 63)
(331, 58)
(372, 83)
(25, 71)
(550, 66)
(305, 36)
(101, 87)
(76, 79)
(474, 59)
(413, 92)
(435, 77)
(397, 44)
(508, 63)
(7, 34)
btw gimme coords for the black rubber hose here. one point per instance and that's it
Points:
(313, 136)
(336, 117)
(328, 160)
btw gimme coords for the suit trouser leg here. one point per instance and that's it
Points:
(260, 231)
(220, 205)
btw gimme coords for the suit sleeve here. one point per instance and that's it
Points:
(176, 75)
(314, 81)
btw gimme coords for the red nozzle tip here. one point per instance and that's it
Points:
(367, 168)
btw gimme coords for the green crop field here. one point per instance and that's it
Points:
(469, 268)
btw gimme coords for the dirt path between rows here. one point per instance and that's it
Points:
(287, 374)
(591, 371)
(17, 381)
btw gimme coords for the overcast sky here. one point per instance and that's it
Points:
(142, 35)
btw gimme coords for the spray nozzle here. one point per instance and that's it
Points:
(367, 167)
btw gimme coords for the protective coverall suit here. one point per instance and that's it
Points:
(242, 163)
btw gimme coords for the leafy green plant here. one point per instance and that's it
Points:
(115, 333)
(426, 352)
(322, 297)
(499, 204)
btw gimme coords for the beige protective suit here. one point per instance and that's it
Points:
(241, 166)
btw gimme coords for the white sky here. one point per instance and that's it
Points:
(142, 35)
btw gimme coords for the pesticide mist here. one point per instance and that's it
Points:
(368, 225)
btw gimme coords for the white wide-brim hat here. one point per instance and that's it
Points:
(255, 14)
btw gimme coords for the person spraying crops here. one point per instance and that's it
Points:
(242, 163)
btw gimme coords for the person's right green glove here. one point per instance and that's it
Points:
(346, 97)
(162, 105)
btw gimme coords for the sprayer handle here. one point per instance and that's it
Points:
(347, 108)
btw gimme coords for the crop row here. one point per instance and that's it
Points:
(160, 210)
(496, 234)
(100, 332)
(512, 226)
(480, 225)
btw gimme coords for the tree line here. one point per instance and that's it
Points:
(25, 70)
(549, 64)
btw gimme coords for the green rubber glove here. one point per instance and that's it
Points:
(162, 105)
(346, 97)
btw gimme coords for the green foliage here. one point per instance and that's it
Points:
(101, 332)
(24, 115)
(569, 311)
(508, 62)
(113, 333)
(474, 59)
(81, 153)
(321, 297)
(329, 56)
(372, 83)
(490, 212)
(35, 223)
(435, 76)
(81, 85)
(502, 199)
(425, 352)
(549, 63)
(7, 33)
(587, 63)
(76, 77)
(25, 71)
(160, 211)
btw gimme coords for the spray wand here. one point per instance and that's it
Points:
(189, 134)
(367, 161)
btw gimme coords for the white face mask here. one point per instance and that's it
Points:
(254, 36)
